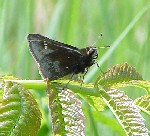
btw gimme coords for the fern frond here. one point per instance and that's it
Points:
(118, 74)
(143, 103)
(66, 112)
(19, 113)
(125, 111)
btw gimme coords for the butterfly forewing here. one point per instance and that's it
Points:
(54, 59)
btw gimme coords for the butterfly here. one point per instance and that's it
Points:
(56, 60)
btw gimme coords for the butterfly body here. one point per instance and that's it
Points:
(56, 59)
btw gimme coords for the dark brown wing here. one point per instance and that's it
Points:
(54, 59)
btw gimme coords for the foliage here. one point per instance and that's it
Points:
(19, 113)
(125, 27)
(65, 108)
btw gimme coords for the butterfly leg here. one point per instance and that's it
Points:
(86, 70)
(70, 79)
(99, 67)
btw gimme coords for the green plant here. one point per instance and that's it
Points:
(65, 107)
(124, 24)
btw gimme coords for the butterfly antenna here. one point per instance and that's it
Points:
(104, 47)
(97, 39)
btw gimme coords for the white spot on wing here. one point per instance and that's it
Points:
(45, 47)
(45, 44)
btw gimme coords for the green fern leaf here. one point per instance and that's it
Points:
(118, 74)
(125, 111)
(19, 113)
(144, 103)
(66, 112)
(140, 83)
(96, 102)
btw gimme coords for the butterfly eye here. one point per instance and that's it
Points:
(95, 55)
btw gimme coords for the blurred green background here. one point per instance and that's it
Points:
(79, 23)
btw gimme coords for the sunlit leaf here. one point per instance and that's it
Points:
(66, 112)
(143, 103)
(125, 111)
(19, 113)
(118, 74)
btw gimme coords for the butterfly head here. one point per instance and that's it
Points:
(92, 52)
(91, 55)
